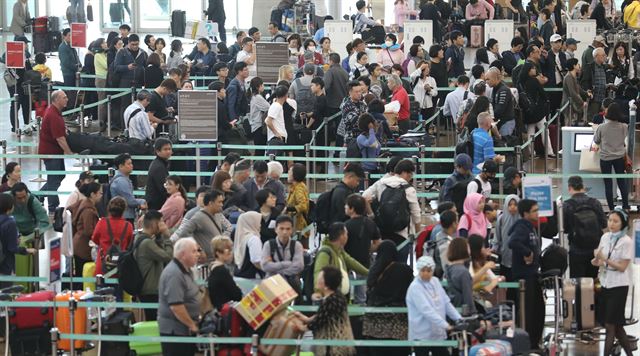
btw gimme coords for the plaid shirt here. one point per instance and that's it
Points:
(599, 84)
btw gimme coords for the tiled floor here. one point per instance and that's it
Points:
(71, 164)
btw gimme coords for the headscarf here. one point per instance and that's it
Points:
(478, 221)
(248, 226)
(386, 254)
(507, 219)
(425, 261)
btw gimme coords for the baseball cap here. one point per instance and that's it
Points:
(463, 160)
(490, 166)
(555, 38)
(600, 39)
(572, 41)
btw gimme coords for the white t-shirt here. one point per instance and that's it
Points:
(244, 55)
(472, 187)
(623, 250)
(276, 113)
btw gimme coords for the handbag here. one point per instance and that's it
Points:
(628, 164)
(590, 161)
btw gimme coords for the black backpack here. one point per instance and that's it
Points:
(465, 144)
(459, 193)
(308, 284)
(586, 229)
(58, 219)
(393, 212)
(323, 211)
(133, 280)
(294, 281)
(353, 149)
(110, 257)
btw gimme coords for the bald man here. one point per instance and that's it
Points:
(53, 141)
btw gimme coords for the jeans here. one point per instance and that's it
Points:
(618, 167)
(222, 32)
(508, 128)
(69, 81)
(77, 12)
(23, 102)
(102, 109)
(360, 292)
(53, 181)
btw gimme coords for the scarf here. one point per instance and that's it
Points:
(506, 219)
(478, 222)
(247, 227)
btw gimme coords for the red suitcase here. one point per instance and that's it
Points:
(31, 318)
(40, 24)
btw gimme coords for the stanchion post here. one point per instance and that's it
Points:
(423, 166)
(77, 79)
(367, 175)
(16, 120)
(54, 341)
(307, 154)
(3, 143)
(272, 157)
(532, 155)
(81, 119)
(30, 92)
(415, 160)
(72, 309)
(518, 152)
(545, 141)
(133, 94)
(255, 340)
(219, 149)
(501, 171)
(198, 165)
(314, 133)
(109, 116)
(49, 90)
(522, 304)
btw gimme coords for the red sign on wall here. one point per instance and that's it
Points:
(78, 35)
(15, 54)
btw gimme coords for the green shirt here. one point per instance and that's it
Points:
(28, 219)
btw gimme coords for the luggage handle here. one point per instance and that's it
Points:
(565, 309)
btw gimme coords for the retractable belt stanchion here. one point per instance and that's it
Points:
(522, 303)
(16, 119)
(54, 340)
(367, 175)
(73, 304)
(49, 90)
(307, 153)
(77, 79)
(220, 160)
(314, 134)
(3, 143)
(518, 151)
(545, 140)
(109, 116)
(81, 119)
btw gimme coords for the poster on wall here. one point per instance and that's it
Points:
(270, 56)
(15, 57)
(79, 35)
(198, 119)
(500, 30)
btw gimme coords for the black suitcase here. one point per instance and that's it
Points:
(42, 42)
(53, 24)
(178, 23)
(374, 35)
(116, 12)
(118, 323)
(29, 342)
(520, 341)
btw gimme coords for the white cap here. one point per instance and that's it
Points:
(555, 38)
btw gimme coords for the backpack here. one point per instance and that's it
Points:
(304, 97)
(353, 149)
(586, 230)
(242, 102)
(307, 273)
(293, 280)
(128, 127)
(110, 257)
(433, 249)
(131, 281)
(423, 237)
(465, 143)
(459, 192)
(323, 211)
(393, 212)
(468, 104)
(33, 78)
(58, 219)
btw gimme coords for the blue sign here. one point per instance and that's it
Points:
(539, 189)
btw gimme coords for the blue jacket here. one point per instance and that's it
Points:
(203, 63)
(9, 239)
(69, 61)
(428, 315)
(121, 186)
(523, 240)
(128, 77)
(457, 61)
(369, 148)
(236, 96)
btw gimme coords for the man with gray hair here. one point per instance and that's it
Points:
(53, 141)
(594, 79)
(137, 120)
(309, 58)
(400, 95)
(179, 297)
(300, 90)
(483, 142)
(502, 101)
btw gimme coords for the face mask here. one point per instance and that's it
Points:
(389, 43)
(311, 48)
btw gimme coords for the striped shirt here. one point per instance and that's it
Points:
(139, 126)
(482, 148)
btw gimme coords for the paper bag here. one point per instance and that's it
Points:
(589, 161)
(283, 325)
(268, 298)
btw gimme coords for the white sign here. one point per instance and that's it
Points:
(207, 29)
(539, 189)
(500, 30)
(412, 29)
(583, 31)
(340, 33)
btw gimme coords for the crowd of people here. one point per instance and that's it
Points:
(248, 222)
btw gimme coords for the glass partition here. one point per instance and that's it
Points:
(115, 13)
(8, 11)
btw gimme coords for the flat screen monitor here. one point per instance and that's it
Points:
(582, 141)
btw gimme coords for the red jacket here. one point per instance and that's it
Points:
(403, 98)
(101, 237)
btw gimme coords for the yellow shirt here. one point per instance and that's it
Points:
(44, 71)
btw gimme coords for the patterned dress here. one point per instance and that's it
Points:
(332, 323)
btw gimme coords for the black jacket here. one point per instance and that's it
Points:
(568, 210)
(503, 104)
(549, 67)
(155, 193)
(523, 240)
(215, 11)
(510, 61)
(429, 11)
(338, 199)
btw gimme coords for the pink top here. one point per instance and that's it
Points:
(473, 220)
(480, 9)
(402, 11)
(173, 210)
(388, 58)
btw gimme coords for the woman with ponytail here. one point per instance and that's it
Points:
(258, 108)
(12, 175)
(174, 207)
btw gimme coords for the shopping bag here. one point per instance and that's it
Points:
(590, 161)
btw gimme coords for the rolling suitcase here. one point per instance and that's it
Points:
(36, 342)
(178, 23)
(31, 318)
(24, 265)
(520, 342)
(53, 24)
(282, 326)
(476, 39)
(118, 323)
(578, 304)
(116, 12)
(145, 328)
(63, 320)
(492, 348)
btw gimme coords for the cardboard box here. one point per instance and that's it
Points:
(268, 298)
(392, 118)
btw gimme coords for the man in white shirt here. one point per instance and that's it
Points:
(276, 130)
(453, 101)
(137, 120)
(248, 55)
(488, 173)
